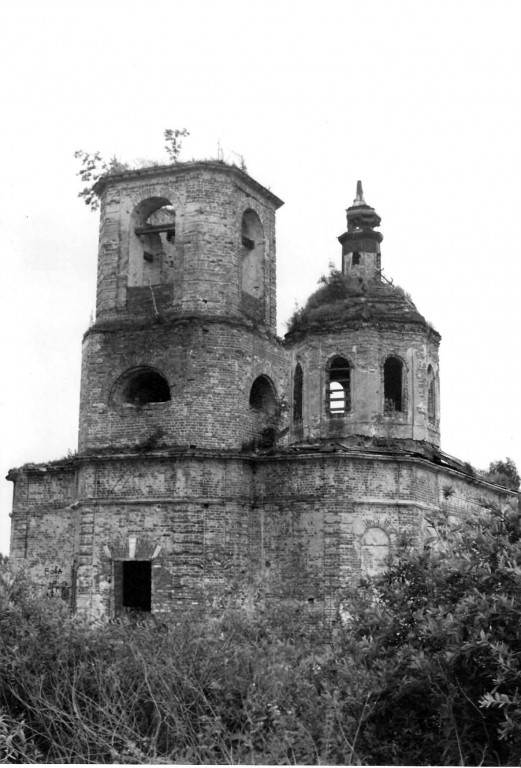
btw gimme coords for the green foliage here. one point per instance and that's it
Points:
(338, 291)
(93, 167)
(238, 687)
(334, 289)
(504, 473)
(174, 143)
(420, 666)
(440, 635)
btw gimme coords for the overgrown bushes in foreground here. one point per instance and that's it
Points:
(425, 670)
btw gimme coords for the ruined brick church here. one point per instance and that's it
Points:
(210, 450)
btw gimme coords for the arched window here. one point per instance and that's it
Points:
(431, 396)
(375, 551)
(298, 381)
(141, 386)
(252, 260)
(338, 395)
(152, 242)
(262, 396)
(263, 412)
(393, 385)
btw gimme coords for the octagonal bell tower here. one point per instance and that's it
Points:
(365, 366)
(186, 309)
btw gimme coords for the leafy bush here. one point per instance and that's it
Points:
(421, 665)
(441, 638)
(334, 288)
(238, 687)
(93, 167)
(504, 473)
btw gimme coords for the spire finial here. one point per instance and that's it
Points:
(359, 193)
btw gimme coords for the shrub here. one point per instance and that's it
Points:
(504, 473)
(238, 686)
(421, 665)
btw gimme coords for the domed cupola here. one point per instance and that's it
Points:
(365, 364)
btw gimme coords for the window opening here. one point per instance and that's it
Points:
(339, 387)
(375, 551)
(136, 592)
(356, 259)
(252, 264)
(152, 251)
(161, 221)
(262, 397)
(297, 393)
(142, 387)
(431, 396)
(393, 385)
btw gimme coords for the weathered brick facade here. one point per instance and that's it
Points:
(209, 449)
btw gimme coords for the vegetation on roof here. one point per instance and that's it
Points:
(94, 166)
(342, 297)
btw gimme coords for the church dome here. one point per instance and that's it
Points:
(365, 362)
(346, 300)
(358, 293)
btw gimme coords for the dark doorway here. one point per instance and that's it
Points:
(137, 585)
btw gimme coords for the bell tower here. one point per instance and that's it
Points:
(187, 238)
(186, 277)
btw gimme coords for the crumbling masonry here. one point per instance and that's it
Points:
(211, 451)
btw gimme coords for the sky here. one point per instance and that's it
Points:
(419, 100)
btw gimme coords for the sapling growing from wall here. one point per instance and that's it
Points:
(174, 142)
(94, 166)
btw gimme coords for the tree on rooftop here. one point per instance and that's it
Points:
(174, 143)
(94, 166)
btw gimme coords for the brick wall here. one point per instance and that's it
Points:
(179, 483)
(209, 201)
(366, 346)
(43, 525)
(210, 368)
(298, 523)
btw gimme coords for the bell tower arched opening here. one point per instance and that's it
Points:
(152, 243)
(252, 257)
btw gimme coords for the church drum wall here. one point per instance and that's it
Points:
(210, 368)
(366, 346)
